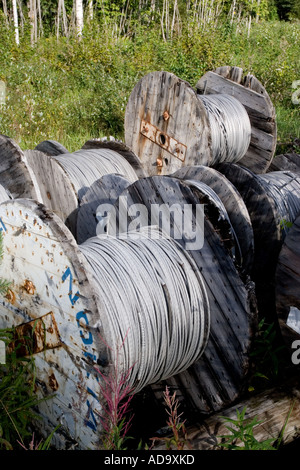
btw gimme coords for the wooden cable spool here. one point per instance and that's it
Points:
(104, 191)
(122, 149)
(287, 288)
(273, 203)
(219, 376)
(166, 126)
(16, 176)
(56, 300)
(51, 148)
(286, 162)
(255, 99)
(60, 190)
(234, 205)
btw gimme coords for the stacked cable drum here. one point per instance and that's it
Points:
(169, 125)
(273, 203)
(161, 321)
(218, 376)
(135, 303)
(64, 179)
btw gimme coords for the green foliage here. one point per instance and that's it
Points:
(241, 435)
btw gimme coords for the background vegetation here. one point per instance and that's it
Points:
(71, 84)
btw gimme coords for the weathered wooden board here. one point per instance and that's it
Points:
(51, 148)
(234, 205)
(166, 126)
(287, 161)
(56, 189)
(269, 212)
(276, 410)
(104, 191)
(287, 287)
(253, 96)
(16, 176)
(219, 375)
(122, 149)
(49, 280)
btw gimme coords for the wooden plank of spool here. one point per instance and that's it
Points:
(104, 191)
(122, 149)
(275, 409)
(16, 176)
(166, 126)
(287, 288)
(51, 148)
(56, 189)
(287, 161)
(253, 96)
(217, 378)
(234, 205)
(51, 286)
(267, 228)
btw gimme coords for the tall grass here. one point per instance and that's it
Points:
(70, 90)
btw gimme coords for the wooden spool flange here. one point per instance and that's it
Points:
(218, 377)
(255, 99)
(287, 288)
(234, 205)
(166, 125)
(122, 149)
(16, 175)
(267, 223)
(53, 296)
(51, 148)
(104, 191)
(286, 162)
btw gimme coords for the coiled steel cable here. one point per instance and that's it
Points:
(153, 295)
(284, 188)
(84, 167)
(230, 127)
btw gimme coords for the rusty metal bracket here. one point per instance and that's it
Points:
(36, 336)
(166, 142)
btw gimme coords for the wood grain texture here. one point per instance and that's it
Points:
(51, 148)
(162, 100)
(56, 190)
(234, 205)
(287, 161)
(219, 376)
(41, 253)
(275, 409)
(16, 176)
(253, 96)
(267, 220)
(287, 282)
(104, 191)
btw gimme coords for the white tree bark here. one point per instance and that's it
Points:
(79, 16)
(16, 22)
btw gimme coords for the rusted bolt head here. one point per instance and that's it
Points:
(29, 286)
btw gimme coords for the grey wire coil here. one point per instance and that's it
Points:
(284, 188)
(84, 167)
(154, 300)
(230, 127)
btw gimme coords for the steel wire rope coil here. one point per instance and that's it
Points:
(84, 167)
(230, 127)
(284, 188)
(163, 320)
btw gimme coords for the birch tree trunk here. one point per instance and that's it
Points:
(79, 16)
(16, 23)
(4, 3)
